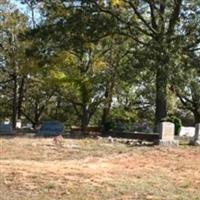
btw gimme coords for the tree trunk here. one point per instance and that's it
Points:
(36, 115)
(14, 102)
(21, 95)
(58, 106)
(36, 121)
(196, 117)
(84, 108)
(84, 120)
(161, 95)
(107, 106)
(104, 119)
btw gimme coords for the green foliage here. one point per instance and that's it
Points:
(124, 60)
(187, 88)
(118, 124)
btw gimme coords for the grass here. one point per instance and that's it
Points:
(36, 168)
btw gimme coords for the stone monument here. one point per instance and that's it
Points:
(5, 129)
(51, 128)
(167, 130)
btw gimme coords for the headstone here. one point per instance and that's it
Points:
(197, 134)
(18, 124)
(29, 125)
(5, 129)
(142, 127)
(6, 122)
(51, 128)
(187, 131)
(167, 130)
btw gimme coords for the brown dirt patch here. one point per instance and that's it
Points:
(90, 169)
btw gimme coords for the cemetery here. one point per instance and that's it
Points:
(100, 100)
(37, 168)
(52, 166)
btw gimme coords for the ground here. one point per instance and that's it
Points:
(39, 169)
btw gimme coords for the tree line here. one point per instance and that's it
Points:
(91, 62)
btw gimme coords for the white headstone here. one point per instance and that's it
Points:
(167, 132)
(187, 131)
(18, 124)
(7, 122)
(29, 125)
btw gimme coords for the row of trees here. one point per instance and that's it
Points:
(87, 62)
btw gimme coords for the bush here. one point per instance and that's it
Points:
(117, 125)
(177, 122)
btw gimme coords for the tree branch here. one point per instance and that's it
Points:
(138, 14)
(152, 9)
(117, 17)
(174, 16)
(7, 81)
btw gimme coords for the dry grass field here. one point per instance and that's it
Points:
(37, 169)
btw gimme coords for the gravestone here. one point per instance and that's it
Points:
(197, 134)
(51, 128)
(187, 131)
(5, 129)
(18, 124)
(167, 130)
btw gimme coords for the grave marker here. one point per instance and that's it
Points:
(167, 130)
(187, 131)
(5, 129)
(51, 128)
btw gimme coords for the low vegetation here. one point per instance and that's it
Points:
(39, 169)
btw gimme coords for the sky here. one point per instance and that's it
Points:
(24, 9)
(19, 5)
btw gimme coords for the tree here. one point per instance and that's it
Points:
(81, 81)
(39, 93)
(187, 86)
(163, 30)
(97, 51)
(76, 56)
(13, 59)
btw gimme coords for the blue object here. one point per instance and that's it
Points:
(51, 128)
(5, 129)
